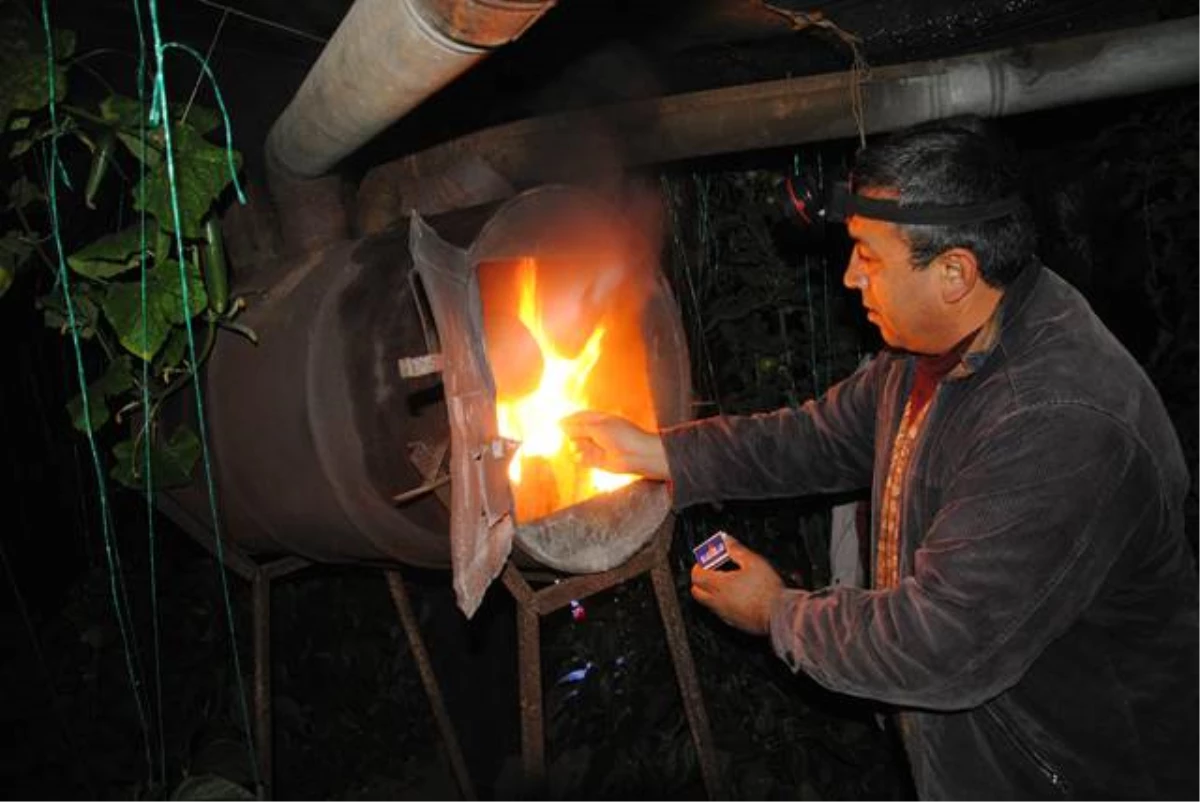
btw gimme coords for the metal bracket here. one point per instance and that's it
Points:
(413, 366)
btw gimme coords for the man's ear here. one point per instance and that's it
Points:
(959, 272)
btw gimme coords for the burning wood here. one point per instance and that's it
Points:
(562, 336)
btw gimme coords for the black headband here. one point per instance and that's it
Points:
(843, 203)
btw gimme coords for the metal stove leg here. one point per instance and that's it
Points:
(417, 645)
(261, 593)
(529, 655)
(685, 672)
(529, 666)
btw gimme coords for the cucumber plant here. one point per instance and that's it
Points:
(115, 218)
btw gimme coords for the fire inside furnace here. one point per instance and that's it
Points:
(562, 335)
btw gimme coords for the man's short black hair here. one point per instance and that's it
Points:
(956, 161)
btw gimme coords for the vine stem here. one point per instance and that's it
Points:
(172, 388)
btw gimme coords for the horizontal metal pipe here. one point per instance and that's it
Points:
(385, 58)
(792, 112)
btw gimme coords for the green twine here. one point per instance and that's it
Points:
(212, 80)
(64, 282)
(147, 465)
(160, 94)
(159, 111)
(812, 326)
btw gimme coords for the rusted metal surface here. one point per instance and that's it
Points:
(596, 534)
(685, 673)
(563, 590)
(263, 733)
(481, 524)
(277, 569)
(795, 111)
(309, 428)
(417, 492)
(416, 645)
(412, 366)
(188, 508)
(548, 224)
(319, 402)
(533, 604)
(385, 58)
(429, 459)
(481, 23)
(529, 657)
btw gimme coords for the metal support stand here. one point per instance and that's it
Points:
(533, 604)
(260, 576)
(415, 643)
(260, 585)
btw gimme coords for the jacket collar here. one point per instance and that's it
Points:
(986, 340)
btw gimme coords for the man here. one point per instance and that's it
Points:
(1033, 615)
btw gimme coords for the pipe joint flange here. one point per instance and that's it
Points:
(483, 24)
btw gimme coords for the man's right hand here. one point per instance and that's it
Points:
(615, 444)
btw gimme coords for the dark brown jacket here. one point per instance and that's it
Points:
(1043, 640)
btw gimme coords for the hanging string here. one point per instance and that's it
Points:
(147, 464)
(55, 698)
(860, 70)
(55, 172)
(264, 21)
(707, 270)
(812, 326)
(207, 56)
(160, 95)
(687, 282)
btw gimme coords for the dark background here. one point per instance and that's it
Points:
(1114, 185)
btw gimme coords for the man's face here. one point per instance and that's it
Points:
(902, 301)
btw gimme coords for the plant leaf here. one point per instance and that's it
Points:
(14, 250)
(210, 786)
(108, 256)
(115, 380)
(202, 118)
(173, 352)
(23, 192)
(148, 152)
(54, 312)
(201, 172)
(122, 306)
(125, 114)
(171, 463)
(122, 110)
(64, 44)
(170, 296)
(24, 85)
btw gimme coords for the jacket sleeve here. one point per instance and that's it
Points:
(1029, 528)
(824, 446)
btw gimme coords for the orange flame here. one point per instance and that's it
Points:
(533, 419)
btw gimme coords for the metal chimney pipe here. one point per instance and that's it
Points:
(791, 112)
(385, 58)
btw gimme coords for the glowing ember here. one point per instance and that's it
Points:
(533, 419)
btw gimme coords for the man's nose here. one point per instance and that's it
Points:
(854, 278)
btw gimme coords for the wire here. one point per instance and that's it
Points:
(860, 69)
(53, 176)
(147, 463)
(264, 21)
(55, 698)
(207, 56)
(160, 96)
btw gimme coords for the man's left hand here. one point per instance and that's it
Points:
(742, 597)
